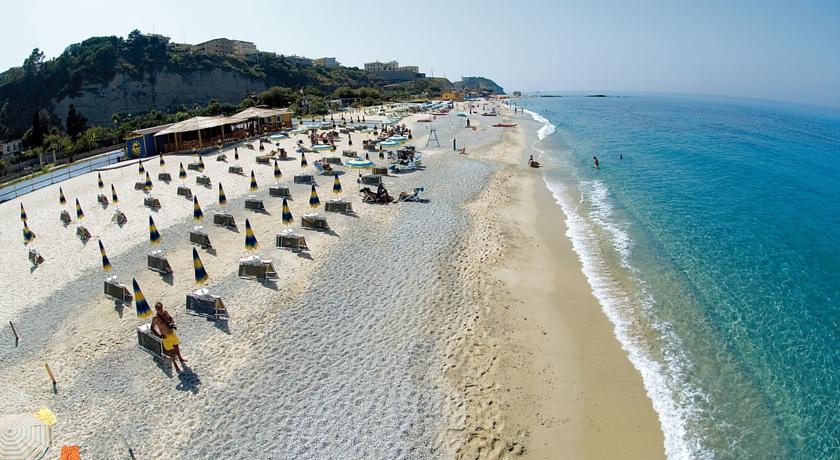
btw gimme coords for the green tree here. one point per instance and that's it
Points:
(76, 123)
(277, 96)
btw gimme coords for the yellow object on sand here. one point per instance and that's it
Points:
(170, 341)
(45, 415)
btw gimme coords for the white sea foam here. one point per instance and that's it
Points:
(658, 377)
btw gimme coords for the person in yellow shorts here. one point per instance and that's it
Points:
(163, 326)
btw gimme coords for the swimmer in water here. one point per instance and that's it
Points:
(597, 164)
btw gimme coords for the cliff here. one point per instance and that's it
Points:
(479, 83)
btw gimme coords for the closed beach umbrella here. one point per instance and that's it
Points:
(154, 235)
(197, 214)
(287, 214)
(381, 155)
(61, 199)
(28, 235)
(303, 163)
(201, 164)
(182, 174)
(236, 153)
(277, 173)
(106, 264)
(314, 202)
(162, 163)
(253, 181)
(200, 272)
(148, 184)
(24, 437)
(250, 239)
(79, 213)
(22, 213)
(222, 197)
(114, 197)
(140, 304)
(141, 170)
(336, 185)
(99, 180)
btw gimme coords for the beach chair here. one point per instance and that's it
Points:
(150, 343)
(279, 191)
(332, 160)
(315, 222)
(151, 202)
(289, 239)
(254, 204)
(82, 233)
(224, 220)
(264, 159)
(158, 263)
(35, 257)
(235, 169)
(139, 186)
(116, 291)
(102, 199)
(342, 206)
(201, 303)
(221, 157)
(200, 238)
(415, 197)
(65, 217)
(204, 180)
(194, 166)
(165, 177)
(304, 179)
(185, 192)
(119, 218)
(255, 268)
(349, 153)
(371, 179)
(379, 170)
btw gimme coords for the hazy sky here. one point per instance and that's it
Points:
(763, 49)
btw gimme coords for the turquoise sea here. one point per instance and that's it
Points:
(714, 248)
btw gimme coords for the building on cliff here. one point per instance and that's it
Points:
(226, 46)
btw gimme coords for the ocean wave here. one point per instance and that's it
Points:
(547, 128)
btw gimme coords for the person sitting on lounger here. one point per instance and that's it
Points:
(163, 326)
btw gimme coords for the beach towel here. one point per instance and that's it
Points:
(70, 453)
(46, 416)
(170, 341)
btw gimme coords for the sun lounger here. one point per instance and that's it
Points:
(371, 179)
(332, 160)
(82, 233)
(304, 179)
(158, 263)
(119, 217)
(194, 166)
(35, 257)
(65, 217)
(224, 220)
(288, 239)
(264, 159)
(151, 202)
(139, 186)
(379, 170)
(150, 343)
(255, 268)
(254, 204)
(201, 303)
(412, 197)
(164, 177)
(235, 169)
(279, 190)
(102, 199)
(185, 192)
(199, 237)
(116, 291)
(204, 180)
(315, 222)
(341, 206)
(349, 153)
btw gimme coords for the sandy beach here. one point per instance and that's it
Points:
(461, 327)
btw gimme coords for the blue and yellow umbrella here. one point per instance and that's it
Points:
(140, 304)
(61, 199)
(303, 162)
(182, 173)
(200, 164)
(154, 235)
(222, 197)
(162, 163)
(114, 198)
(287, 214)
(148, 184)
(250, 239)
(28, 235)
(236, 153)
(79, 213)
(106, 264)
(99, 181)
(200, 272)
(277, 173)
(140, 169)
(314, 202)
(253, 181)
(336, 185)
(197, 214)
(22, 213)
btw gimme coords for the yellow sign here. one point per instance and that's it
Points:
(136, 148)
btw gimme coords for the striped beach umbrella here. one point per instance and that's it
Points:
(197, 214)
(201, 164)
(182, 173)
(148, 184)
(336, 185)
(200, 272)
(277, 173)
(287, 214)
(140, 304)
(79, 213)
(61, 199)
(140, 169)
(114, 198)
(24, 437)
(22, 213)
(106, 264)
(99, 182)
(222, 197)
(303, 162)
(250, 239)
(253, 181)
(154, 235)
(28, 235)
(314, 202)
(162, 163)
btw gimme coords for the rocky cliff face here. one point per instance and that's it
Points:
(167, 91)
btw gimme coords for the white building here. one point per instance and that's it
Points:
(226, 46)
(325, 62)
(381, 66)
(10, 147)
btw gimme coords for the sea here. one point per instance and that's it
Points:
(710, 235)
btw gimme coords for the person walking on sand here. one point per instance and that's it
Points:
(597, 164)
(163, 326)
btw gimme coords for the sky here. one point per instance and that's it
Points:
(786, 51)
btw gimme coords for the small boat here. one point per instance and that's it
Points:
(504, 125)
